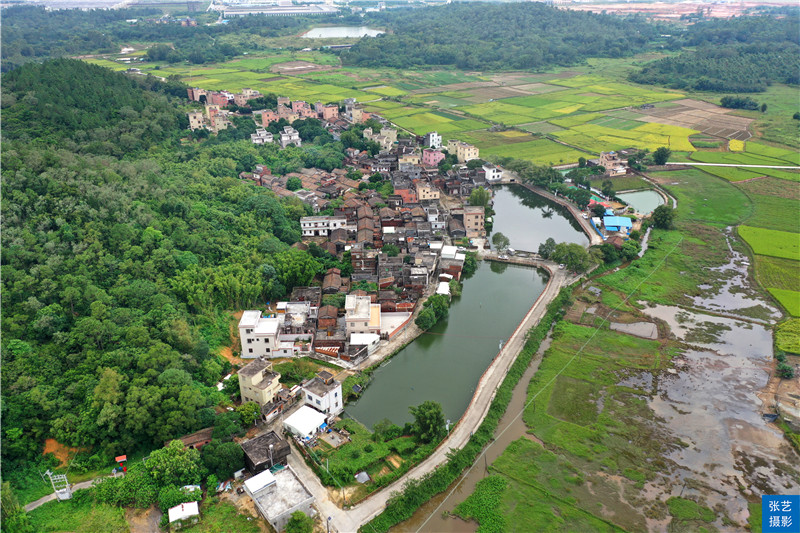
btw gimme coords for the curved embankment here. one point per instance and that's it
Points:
(594, 238)
(350, 520)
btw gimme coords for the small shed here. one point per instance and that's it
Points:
(183, 514)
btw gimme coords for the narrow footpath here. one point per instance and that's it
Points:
(52, 496)
(350, 520)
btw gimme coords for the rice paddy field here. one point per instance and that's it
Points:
(553, 118)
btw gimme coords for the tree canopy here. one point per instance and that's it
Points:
(490, 36)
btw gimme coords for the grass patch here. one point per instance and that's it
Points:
(222, 516)
(787, 336)
(541, 152)
(704, 198)
(790, 300)
(574, 401)
(483, 505)
(770, 242)
(78, 515)
(774, 212)
(777, 272)
(683, 509)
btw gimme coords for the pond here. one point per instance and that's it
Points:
(339, 32)
(445, 363)
(643, 201)
(528, 220)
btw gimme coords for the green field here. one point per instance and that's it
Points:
(778, 273)
(790, 300)
(541, 152)
(557, 488)
(79, 515)
(773, 243)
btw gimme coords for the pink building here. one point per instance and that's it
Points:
(330, 112)
(298, 105)
(268, 117)
(431, 158)
(217, 99)
(307, 112)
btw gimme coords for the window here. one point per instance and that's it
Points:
(249, 341)
(336, 404)
(318, 403)
(248, 331)
(250, 350)
(335, 394)
(309, 396)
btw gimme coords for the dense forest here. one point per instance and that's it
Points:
(31, 33)
(743, 54)
(476, 35)
(118, 266)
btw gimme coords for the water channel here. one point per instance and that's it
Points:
(446, 363)
(528, 220)
(340, 32)
(643, 201)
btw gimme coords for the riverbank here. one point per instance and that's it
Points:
(352, 519)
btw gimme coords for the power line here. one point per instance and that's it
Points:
(550, 382)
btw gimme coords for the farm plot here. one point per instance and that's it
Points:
(540, 152)
(600, 138)
(772, 243)
(744, 158)
(702, 116)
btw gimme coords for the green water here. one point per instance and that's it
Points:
(643, 201)
(446, 363)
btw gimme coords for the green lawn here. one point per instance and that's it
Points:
(79, 515)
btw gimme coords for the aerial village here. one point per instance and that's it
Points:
(402, 248)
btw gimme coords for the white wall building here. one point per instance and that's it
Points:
(433, 140)
(324, 394)
(321, 226)
(259, 335)
(289, 135)
(361, 316)
(493, 173)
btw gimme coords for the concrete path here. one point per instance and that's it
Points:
(692, 163)
(350, 520)
(50, 497)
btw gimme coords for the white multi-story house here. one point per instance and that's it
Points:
(289, 135)
(324, 394)
(321, 226)
(261, 136)
(259, 335)
(493, 173)
(361, 315)
(433, 140)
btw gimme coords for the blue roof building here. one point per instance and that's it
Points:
(617, 223)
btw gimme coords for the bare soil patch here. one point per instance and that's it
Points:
(143, 520)
(702, 116)
(293, 67)
(62, 452)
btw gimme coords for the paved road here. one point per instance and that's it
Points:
(692, 163)
(50, 497)
(350, 520)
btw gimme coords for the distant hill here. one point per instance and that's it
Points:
(477, 35)
(743, 55)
